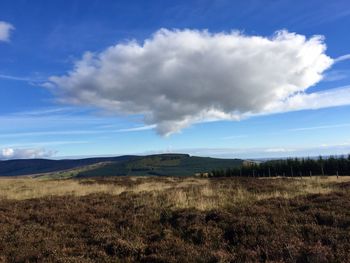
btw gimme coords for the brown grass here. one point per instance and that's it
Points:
(21, 189)
(153, 219)
(200, 193)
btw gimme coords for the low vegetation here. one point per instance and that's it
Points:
(172, 219)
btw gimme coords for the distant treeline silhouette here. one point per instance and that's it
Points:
(290, 167)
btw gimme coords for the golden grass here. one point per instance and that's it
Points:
(20, 189)
(200, 193)
(209, 196)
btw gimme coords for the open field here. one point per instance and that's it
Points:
(172, 219)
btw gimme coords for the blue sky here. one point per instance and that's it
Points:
(44, 112)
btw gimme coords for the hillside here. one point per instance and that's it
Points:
(40, 166)
(162, 165)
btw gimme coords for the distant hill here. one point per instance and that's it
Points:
(39, 166)
(163, 165)
(160, 164)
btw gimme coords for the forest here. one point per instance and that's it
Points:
(292, 167)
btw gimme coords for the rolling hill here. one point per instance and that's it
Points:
(160, 165)
(163, 165)
(41, 166)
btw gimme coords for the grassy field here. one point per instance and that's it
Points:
(172, 219)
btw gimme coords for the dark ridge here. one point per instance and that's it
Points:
(173, 164)
(38, 166)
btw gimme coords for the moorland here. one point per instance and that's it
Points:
(175, 219)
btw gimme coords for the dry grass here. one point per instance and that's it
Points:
(206, 195)
(27, 188)
(21, 189)
(157, 219)
(199, 193)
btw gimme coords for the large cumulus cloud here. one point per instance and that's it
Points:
(179, 77)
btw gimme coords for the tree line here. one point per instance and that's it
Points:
(289, 167)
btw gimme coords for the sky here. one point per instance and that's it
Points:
(245, 79)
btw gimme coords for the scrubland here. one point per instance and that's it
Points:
(174, 219)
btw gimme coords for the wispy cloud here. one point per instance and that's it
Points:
(48, 133)
(278, 150)
(342, 58)
(332, 126)
(32, 80)
(46, 111)
(75, 132)
(299, 129)
(266, 152)
(320, 15)
(335, 75)
(309, 101)
(142, 128)
(42, 144)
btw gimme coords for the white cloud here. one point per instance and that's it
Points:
(342, 58)
(313, 101)
(180, 77)
(331, 126)
(30, 80)
(13, 153)
(278, 150)
(74, 132)
(7, 152)
(335, 75)
(135, 129)
(5, 31)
